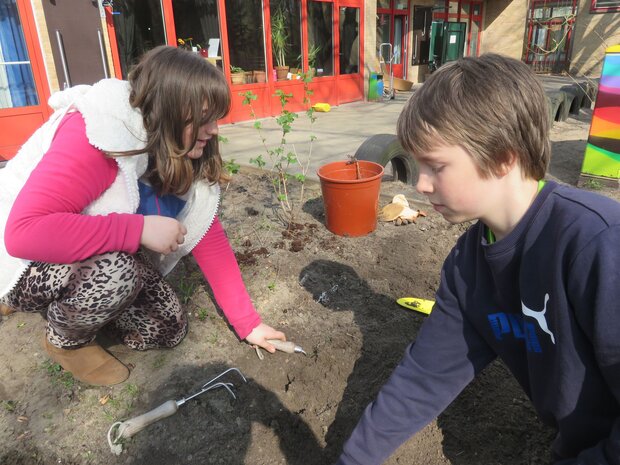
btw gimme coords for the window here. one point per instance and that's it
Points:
(320, 34)
(17, 87)
(604, 6)
(139, 26)
(196, 24)
(246, 41)
(349, 40)
(286, 34)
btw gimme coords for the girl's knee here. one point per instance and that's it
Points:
(113, 279)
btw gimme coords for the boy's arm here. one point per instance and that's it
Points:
(596, 302)
(46, 223)
(219, 266)
(435, 368)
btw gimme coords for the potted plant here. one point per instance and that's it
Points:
(237, 75)
(313, 51)
(188, 44)
(351, 196)
(279, 42)
(259, 75)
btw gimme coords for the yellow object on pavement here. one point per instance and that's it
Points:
(322, 107)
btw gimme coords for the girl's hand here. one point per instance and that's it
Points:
(162, 234)
(260, 334)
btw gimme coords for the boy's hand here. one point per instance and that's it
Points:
(260, 334)
(162, 234)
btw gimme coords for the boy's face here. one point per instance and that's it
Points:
(451, 181)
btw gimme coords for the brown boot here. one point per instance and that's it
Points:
(5, 310)
(90, 364)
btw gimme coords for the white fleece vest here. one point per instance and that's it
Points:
(112, 126)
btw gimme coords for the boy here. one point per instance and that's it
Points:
(533, 282)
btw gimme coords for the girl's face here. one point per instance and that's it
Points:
(205, 132)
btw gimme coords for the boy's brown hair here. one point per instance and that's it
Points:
(492, 106)
(170, 86)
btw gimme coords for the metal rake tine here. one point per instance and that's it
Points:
(222, 374)
(224, 385)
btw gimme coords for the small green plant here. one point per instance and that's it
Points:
(159, 361)
(236, 69)
(231, 167)
(132, 390)
(8, 405)
(202, 314)
(283, 157)
(186, 290)
(58, 375)
(271, 286)
(593, 184)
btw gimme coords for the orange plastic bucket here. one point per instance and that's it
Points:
(350, 203)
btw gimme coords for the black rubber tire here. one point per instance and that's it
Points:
(384, 149)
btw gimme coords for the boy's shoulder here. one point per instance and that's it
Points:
(581, 206)
(559, 213)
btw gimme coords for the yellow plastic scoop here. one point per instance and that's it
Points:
(416, 304)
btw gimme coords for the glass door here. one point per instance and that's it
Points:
(392, 28)
(23, 88)
(400, 28)
(138, 26)
(197, 28)
(349, 52)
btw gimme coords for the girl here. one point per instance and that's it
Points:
(105, 198)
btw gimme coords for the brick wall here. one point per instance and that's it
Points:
(504, 27)
(592, 35)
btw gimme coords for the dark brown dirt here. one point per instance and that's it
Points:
(335, 297)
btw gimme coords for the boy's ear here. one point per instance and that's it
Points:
(508, 165)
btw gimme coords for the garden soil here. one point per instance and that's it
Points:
(334, 296)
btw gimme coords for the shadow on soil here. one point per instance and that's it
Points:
(384, 333)
(208, 428)
(486, 409)
(564, 165)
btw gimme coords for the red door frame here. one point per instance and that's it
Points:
(400, 69)
(18, 124)
(335, 89)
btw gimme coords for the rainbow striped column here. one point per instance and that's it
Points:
(602, 157)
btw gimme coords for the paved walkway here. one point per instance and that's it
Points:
(339, 132)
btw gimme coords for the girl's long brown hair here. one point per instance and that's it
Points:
(170, 87)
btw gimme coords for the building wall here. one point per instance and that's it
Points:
(593, 33)
(371, 63)
(503, 29)
(46, 47)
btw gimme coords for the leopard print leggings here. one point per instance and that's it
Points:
(117, 290)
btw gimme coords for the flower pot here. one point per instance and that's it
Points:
(282, 73)
(260, 76)
(351, 203)
(237, 78)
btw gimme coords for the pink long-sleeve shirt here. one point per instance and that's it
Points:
(46, 223)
